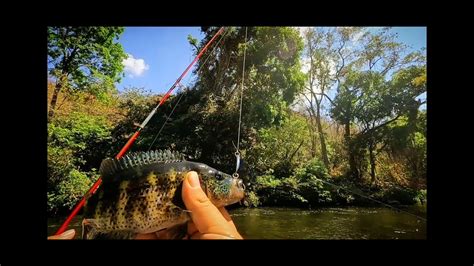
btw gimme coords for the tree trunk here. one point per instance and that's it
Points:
(54, 99)
(353, 172)
(311, 126)
(324, 152)
(312, 135)
(294, 153)
(313, 145)
(372, 163)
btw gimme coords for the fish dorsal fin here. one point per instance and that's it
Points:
(110, 166)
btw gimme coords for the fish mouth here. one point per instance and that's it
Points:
(239, 189)
(240, 185)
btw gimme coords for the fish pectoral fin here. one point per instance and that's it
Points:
(178, 211)
(178, 231)
(89, 228)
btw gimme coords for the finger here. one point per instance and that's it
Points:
(69, 234)
(230, 222)
(218, 236)
(201, 236)
(227, 216)
(192, 228)
(193, 232)
(206, 217)
(225, 213)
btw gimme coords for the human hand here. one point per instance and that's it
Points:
(208, 221)
(69, 234)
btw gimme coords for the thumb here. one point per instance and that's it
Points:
(206, 216)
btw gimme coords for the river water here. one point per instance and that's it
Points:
(328, 223)
(321, 223)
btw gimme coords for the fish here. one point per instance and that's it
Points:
(141, 193)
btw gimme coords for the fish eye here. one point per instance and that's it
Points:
(219, 176)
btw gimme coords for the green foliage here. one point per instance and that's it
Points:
(251, 199)
(272, 71)
(399, 195)
(421, 196)
(205, 124)
(406, 140)
(135, 103)
(303, 188)
(281, 147)
(85, 135)
(85, 55)
(76, 146)
(313, 170)
(193, 41)
(267, 181)
(60, 163)
(310, 179)
(375, 92)
(69, 190)
(375, 95)
(78, 130)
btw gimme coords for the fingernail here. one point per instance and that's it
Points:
(193, 179)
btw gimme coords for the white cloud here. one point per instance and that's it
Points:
(135, 67)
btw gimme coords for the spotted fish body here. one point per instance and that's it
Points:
(141, 193)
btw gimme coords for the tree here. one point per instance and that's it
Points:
(329, 51)
(280, 148)
(79, 57)
(406, 138)
(319, 50)
(272, 80)
(370, 102)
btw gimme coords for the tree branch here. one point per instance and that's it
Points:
(381, 125)
(294, 153)
(381, 149)
(325, 95)
(311, 113)
(342, 58)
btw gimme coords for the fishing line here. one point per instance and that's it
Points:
(369, 198)
(182, 92)
(133, 138)
(237, 151)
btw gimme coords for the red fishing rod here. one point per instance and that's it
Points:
(132, 139)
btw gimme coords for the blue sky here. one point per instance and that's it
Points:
(165, 52)
(416, 38)
(413, 36)
(160, 54)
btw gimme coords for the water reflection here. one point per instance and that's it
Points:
(324, 223)
(328, 223)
